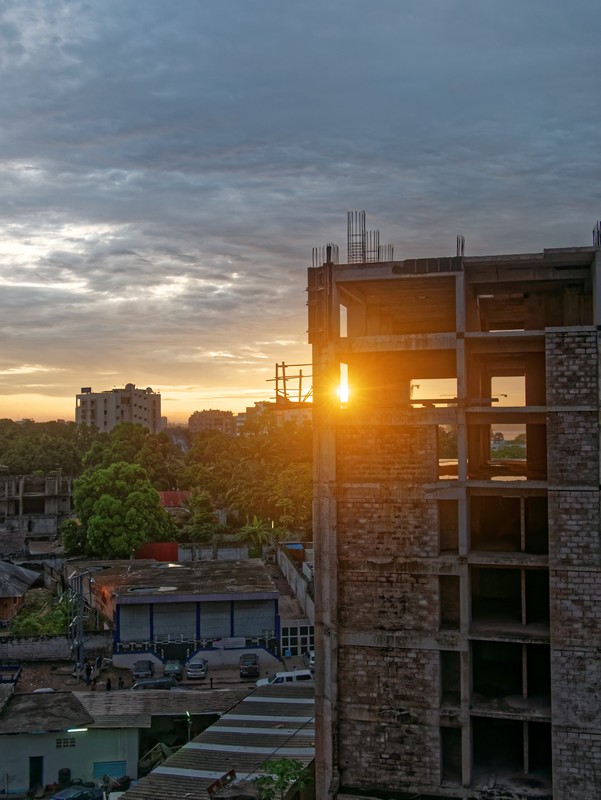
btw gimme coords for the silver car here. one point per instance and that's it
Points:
(197, 668)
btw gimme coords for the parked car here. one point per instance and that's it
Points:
(174, 668)
(297, 676)
(78, 793)
(249, 665)
(155, 683)
(309, 657)
(197, 668)
(142, 669)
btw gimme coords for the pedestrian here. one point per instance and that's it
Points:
(121, 683)
(93, 685)
(108, 684)
(88, 672)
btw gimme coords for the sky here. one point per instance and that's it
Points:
(167, 167)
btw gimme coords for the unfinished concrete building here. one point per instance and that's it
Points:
(458, 592)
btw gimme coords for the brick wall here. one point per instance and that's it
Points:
(571, 367)
(389, 526)
(573, 449)
(382, 454)
(577, 764)
(389, 723)
(576, 515)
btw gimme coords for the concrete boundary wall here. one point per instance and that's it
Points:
(49, 648)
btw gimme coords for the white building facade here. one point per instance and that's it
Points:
(106, 410)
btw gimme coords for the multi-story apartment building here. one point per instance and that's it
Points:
(106, 410)
(212, 420)
(458, 593)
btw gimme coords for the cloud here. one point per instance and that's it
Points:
(167, 168)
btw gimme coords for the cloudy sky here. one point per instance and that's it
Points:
(168, 165)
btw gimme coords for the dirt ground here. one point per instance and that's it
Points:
(60, 677)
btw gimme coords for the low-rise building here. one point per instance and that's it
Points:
(50, 738)
(176, 610)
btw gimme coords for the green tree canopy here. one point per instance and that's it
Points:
(29, 448)
(134, 444)
(118, 510)
(280, 776)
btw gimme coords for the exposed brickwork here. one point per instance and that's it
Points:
(388, 730)
(381, 599)
(575, 537)
(576, 675)
(571, 367)
(577, 764)
(384, 454)
(573, 441)
(391, 528)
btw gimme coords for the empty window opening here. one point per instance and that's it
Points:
(430, 392)
(447, 452)
(499, 452)
(496, 670)
(508, 391)
(536, 525)
(449, 602)
(538, 673)
(450, 745)
(448, 525)
(538, 752)
(509, 524)
(508, 443)
(450, 678)
(496, 596)
(495, 524)
(34, 505)
(537, 596)
(343, 321)
(498, 748)
(343, 388)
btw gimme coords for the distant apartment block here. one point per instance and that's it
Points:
(212, 420)
(106, 410)
(458, 592)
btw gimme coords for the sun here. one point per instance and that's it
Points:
(343, 388)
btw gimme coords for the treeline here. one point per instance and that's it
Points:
(244, 485)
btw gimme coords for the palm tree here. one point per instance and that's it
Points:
(255, 534)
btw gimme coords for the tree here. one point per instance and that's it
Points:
(118, 510)
(256, 534)
(281, 775)
(293, 495)
(73, 539)
(44, 447)
(202, 523)
(134, 444)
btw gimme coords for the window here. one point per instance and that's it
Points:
(64, 742)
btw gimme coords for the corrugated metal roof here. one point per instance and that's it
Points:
(14, 580)
(127, 709)
(39, 712)
(271, 723)
(138, 580)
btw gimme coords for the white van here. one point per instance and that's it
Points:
(287, 677)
